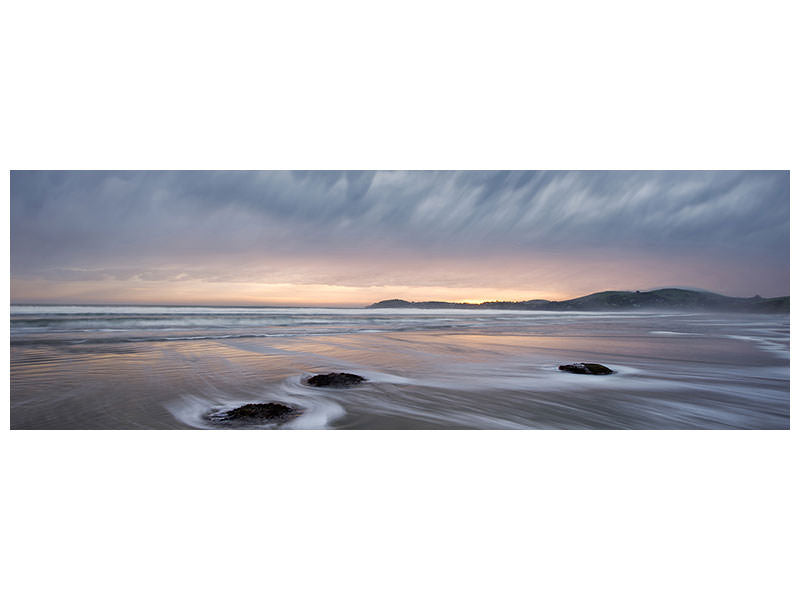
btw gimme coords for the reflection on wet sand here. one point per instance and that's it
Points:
(494, 371)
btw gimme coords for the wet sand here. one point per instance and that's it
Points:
(672, 372)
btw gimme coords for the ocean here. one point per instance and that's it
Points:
(164, 367)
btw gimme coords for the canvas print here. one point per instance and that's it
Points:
(280, 300)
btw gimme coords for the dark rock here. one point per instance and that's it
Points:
(270, 411)
(335, 380)
(586, 369)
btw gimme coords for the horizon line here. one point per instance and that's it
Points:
(350, 305)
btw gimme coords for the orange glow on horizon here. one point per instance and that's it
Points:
(357, 282)
(254, 294)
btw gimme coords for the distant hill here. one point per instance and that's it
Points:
(664, 299)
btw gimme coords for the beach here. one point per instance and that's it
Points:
(137, 367)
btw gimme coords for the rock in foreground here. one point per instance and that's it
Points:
(586, 369)
(335, 380)
(270, 411)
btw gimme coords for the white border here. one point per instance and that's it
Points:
(577, 85)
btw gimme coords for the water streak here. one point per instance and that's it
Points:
(165, 367)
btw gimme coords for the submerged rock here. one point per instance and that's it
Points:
(269, 411)
(335, 380)
(586, 369)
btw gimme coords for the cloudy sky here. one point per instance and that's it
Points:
(351, 238)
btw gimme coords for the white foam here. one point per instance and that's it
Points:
(774, 346)
(675, 333)
(319, 411)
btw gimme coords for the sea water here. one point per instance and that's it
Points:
(159, 367)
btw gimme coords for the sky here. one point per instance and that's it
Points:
(350, 238)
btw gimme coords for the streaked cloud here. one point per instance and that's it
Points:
(529, 233)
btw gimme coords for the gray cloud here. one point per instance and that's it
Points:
(69, 226)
